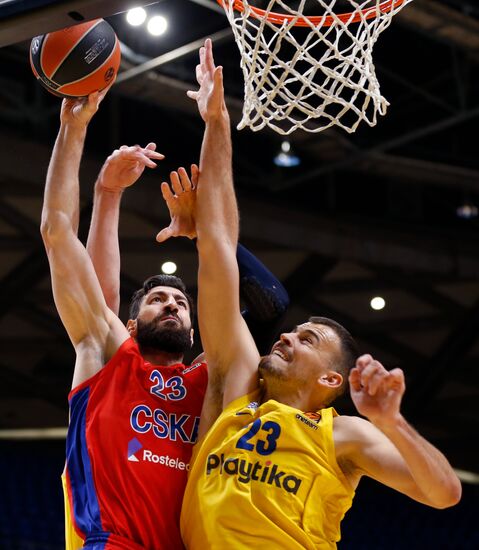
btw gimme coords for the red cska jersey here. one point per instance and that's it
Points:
(132, 429)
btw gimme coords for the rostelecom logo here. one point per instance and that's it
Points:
(133, 447)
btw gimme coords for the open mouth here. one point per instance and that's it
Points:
(278, 352)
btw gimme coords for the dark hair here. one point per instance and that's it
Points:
(349, 349)
(154, 281)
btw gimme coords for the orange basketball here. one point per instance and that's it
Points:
(78, 60)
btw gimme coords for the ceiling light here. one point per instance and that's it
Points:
(136, 16)
(467, 211)
(168, 268)
(157, 25)
(377, 303)
(286, 157)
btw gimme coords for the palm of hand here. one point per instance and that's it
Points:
(205, 97)
(182, 213)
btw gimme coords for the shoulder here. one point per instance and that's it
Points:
(349, 424)
(351, 433)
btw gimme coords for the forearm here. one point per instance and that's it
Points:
(103, 245)
(217, 212)
(60, 207)
(429, 468)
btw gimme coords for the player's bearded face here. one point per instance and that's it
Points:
(174, 338)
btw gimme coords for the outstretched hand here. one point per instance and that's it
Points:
(79, 111)
(181, 204)
(376, 392)
(125, 165)
(210, 96)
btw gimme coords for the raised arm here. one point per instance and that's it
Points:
(265, 298)
(94, 330)
(230, 350)
(389, 449)
(120, 170)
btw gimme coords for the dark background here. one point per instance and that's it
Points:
(366, 214)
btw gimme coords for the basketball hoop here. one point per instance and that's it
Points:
(310, 72)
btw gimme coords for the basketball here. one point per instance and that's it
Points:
(78, 60)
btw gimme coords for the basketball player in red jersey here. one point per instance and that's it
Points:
(134, 406)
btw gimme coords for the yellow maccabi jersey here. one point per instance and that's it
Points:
(265, 474)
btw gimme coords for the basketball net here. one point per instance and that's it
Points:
(309, 73)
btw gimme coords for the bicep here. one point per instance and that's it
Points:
(375, 456)
(76, 291)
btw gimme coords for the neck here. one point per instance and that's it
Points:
(284, 395)
(158, 357)
(300, 398)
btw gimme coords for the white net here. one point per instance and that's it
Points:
(313, 76)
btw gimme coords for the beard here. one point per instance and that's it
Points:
(268, 369)
(169, 339)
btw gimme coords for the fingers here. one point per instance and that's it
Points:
(175, 183)
(369, 375)
(164, 234)
(218, 92)
(107, 89)
(355, 379)
(396, 379)
(192, 95)
(199, 68)
(166, 192)
(97, 97)
(208, 60)
(199, 72)
(180, 181)
(139, 154)
(195, 174)
(150, 153)
(185, 180)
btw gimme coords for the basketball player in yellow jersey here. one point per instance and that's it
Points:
(275, 466)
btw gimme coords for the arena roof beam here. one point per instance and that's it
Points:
(19, 21)
(186, 49)
(444, 24)
(361, 241)
(362, 155)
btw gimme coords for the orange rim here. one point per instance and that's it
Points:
(319, 20)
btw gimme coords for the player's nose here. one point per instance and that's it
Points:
(287, 338)
(170, 303)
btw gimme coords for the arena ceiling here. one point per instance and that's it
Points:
(367, 214)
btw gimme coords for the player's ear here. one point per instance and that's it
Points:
(331, 379)
(132, 327)
(192, 332)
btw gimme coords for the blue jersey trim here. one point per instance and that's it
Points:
(97, 541)
(86, 509)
